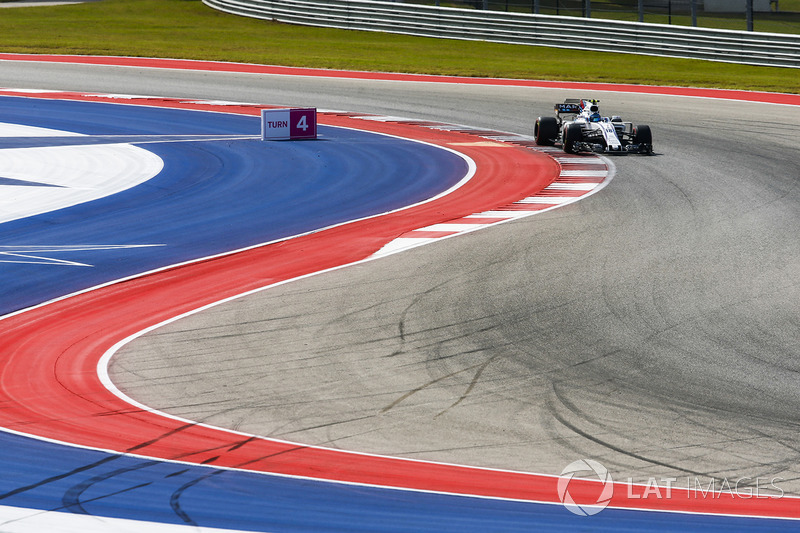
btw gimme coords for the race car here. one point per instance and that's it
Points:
(579, 127)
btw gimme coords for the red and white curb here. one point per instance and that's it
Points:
(579, 176)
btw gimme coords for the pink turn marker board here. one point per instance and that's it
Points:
(288, 124)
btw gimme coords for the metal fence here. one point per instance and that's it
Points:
(782, 16)
(764, 49)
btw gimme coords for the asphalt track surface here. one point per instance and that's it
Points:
(652, 327)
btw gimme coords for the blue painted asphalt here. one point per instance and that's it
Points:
(211, 197)
(46, 476)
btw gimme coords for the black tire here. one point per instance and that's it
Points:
(644, 138)
(545, 131)
(573, 134)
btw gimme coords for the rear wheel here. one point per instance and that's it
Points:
(545, 131)
(573, 134)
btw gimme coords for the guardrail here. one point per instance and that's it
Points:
(750, 48)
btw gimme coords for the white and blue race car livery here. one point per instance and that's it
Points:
(579, 127)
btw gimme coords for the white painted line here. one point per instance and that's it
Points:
(453, 227)
(380, 118)
(509, 215)
(401, 244)
(41, 254)
(556, 186)
(503, 214)
(222, 103)
(548, 200)
(510, 138)
(578, 160)
(119, 96)
(584, 173)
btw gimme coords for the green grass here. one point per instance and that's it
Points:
(189, 29)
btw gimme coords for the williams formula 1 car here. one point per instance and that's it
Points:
(578, 127)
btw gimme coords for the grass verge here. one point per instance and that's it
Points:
(189, 29)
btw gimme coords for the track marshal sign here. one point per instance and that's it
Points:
(288, 124)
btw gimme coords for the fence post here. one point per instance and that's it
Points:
(694, 13)
(749, 9)
(641, 10)
(587, 9)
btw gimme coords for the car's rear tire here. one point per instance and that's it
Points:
(545, 131)
(573, 134)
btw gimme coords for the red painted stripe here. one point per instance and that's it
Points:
(558, 193)
(216, 66)
(524, 207)
(579, 179)
(478, 220)
(423, 234)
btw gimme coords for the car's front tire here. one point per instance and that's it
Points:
(545, 131)
(644, 138)
(573, 134)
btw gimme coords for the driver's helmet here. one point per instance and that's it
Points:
(594, 117)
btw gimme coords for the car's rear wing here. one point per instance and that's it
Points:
(575, 106)
(568, 107)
